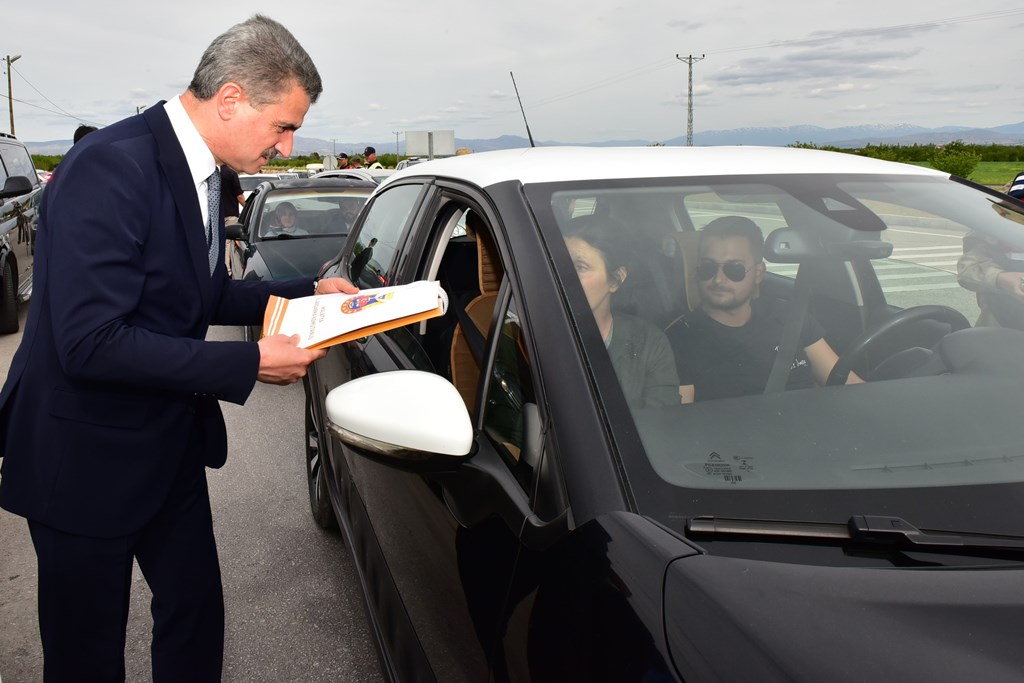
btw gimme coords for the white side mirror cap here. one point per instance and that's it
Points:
(408, 415)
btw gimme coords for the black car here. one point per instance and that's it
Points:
(290, 228)
(517, 509)
(20, 194)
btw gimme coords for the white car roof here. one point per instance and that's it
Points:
(552, 164)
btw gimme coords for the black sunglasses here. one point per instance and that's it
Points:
(734, 270)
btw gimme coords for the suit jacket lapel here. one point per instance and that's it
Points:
(179, 180)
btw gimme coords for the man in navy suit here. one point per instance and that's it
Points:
(110, 412)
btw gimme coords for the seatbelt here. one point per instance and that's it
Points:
(474, 337)
(791, 330)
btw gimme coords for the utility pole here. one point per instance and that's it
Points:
(138, 110)
(396, 144)
(10, 94)
(689, 97)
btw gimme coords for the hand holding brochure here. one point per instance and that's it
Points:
(328, 319)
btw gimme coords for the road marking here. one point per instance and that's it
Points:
(933, 263)
(921, 288)
(929, 234)
(910, 276)
(899, 250)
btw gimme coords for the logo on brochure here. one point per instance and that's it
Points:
(359, 303)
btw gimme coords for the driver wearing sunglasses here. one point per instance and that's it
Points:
(727, 347)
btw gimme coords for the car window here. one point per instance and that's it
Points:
(373, 254)
(17, 161)
(509, 390)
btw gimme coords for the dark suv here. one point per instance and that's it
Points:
(20, 194)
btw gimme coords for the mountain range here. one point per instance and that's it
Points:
(845, 137)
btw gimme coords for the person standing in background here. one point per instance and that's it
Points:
(81, 132)
(370, 154)
(231, 197)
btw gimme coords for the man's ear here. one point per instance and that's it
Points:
(759, 271)
(229, 99)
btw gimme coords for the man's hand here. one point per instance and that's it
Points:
(282, 361)
(1011, 283)
(336, 285)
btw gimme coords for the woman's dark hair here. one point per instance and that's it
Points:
(608, 236)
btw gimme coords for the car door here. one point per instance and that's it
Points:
(442, 547)
(20, 212)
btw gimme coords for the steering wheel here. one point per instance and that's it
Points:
(862, 344)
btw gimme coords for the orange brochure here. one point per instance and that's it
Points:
(328, 319)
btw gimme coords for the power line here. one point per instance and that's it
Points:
(51, 111)
(41, 94)
(611, 80)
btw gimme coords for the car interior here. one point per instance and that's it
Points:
(317, 214)
(829, 255)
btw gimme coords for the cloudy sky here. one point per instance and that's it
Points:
(587, 70)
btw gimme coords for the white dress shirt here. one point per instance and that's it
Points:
(200, 160)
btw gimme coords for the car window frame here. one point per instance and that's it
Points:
(423, 251)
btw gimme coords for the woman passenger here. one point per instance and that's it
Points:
(600, 249)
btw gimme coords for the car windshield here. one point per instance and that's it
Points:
(724, 362)
(310, 214)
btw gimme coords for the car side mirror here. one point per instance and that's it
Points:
(15, 186)
(408, 419)
(236, 231)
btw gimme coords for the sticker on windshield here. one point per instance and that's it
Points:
(729, 470)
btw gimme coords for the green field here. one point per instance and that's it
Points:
(996, 174)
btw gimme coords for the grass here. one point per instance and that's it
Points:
(997, 174)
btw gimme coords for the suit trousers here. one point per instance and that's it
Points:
(85, 587)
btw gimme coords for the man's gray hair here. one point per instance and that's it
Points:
(260, 55)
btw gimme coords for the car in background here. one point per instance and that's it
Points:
(44, 176)
(20, 195)
(250, 181)
(377, 175)
(322, 213)
(516, 509)
(406, 163)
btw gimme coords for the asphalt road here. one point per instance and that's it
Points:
(294, 608)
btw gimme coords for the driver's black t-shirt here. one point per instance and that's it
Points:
(722, 361)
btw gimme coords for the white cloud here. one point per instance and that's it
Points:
(583, 70)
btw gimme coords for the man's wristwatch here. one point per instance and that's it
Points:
(316, 284)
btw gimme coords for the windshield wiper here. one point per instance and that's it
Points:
(869, 530)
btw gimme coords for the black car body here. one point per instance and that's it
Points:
(326, 209)
(20, 194)
(513, 517)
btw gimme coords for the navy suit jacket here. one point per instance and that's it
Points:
(113, 374)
